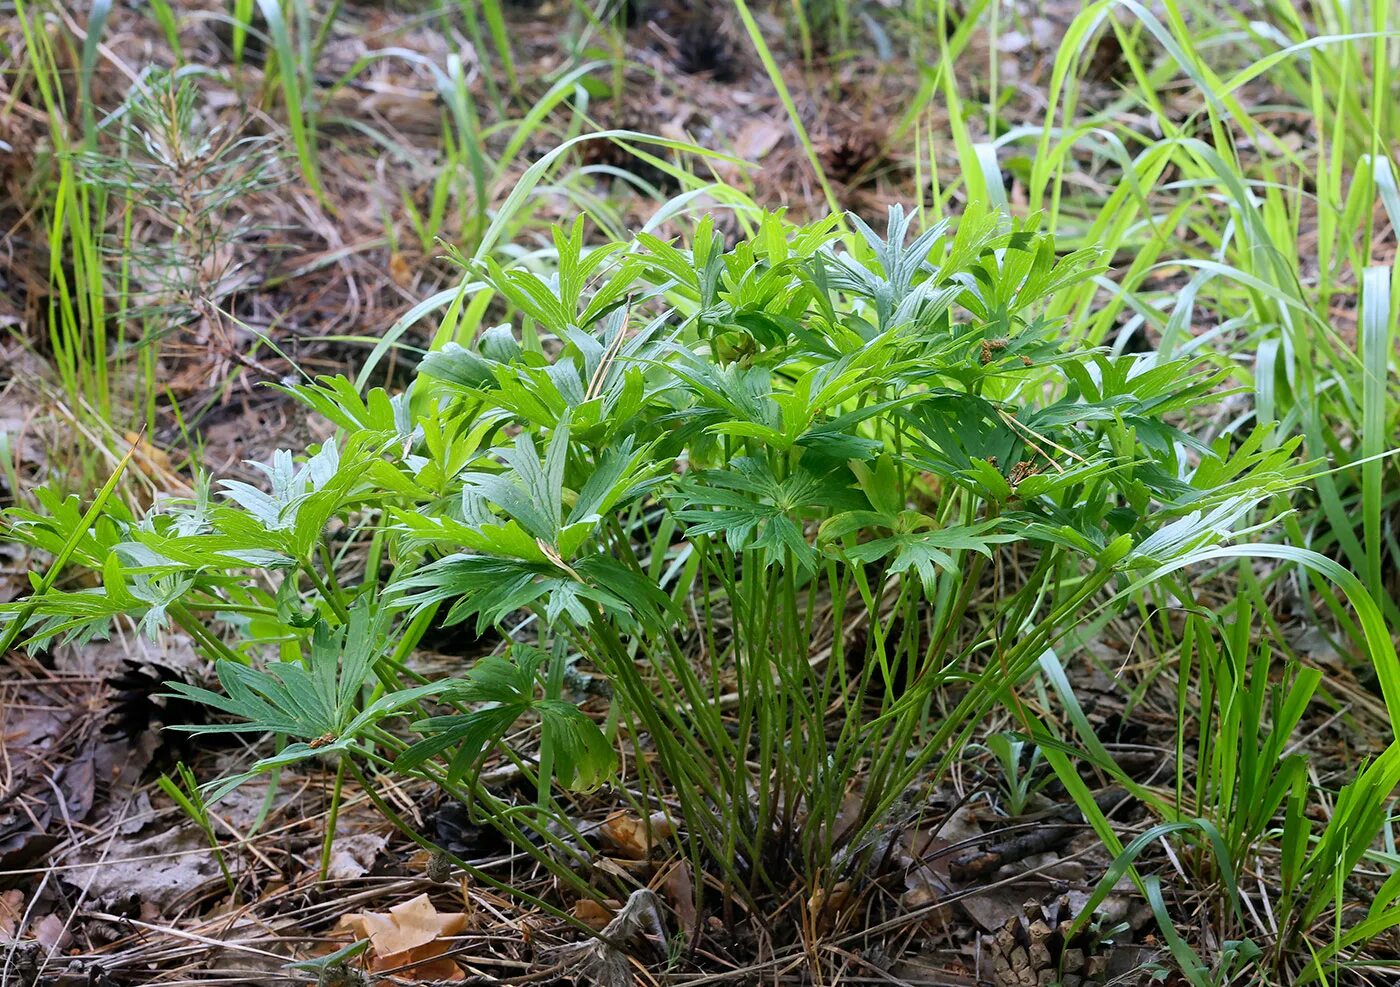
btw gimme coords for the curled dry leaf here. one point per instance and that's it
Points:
(679, 887)
(827, 907)
(594, 914)
(408, 938)
(626, 835)
(759, 136)
(11, 914)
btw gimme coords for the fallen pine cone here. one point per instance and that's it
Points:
(1035, 949)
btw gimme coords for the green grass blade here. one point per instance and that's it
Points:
(289, 74)
(1377, 343)
(775, 75)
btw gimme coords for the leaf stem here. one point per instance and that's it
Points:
(329, 839)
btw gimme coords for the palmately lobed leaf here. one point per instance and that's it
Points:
(712, 443)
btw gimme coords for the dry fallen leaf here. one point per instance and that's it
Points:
(594, 914)
(155, 463)
(408, 936)
(680, 891)
(757, 138)
(353, 856)
(826, 908)
(52, 933)
(155, 869)
(625, 835)
(925, 863)
(11, 913)
(400, 271)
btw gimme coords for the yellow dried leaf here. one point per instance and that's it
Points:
(400, 270)
(155, 463)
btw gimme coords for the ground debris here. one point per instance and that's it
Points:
(151, 872)
(982, 862)
(604, 960)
